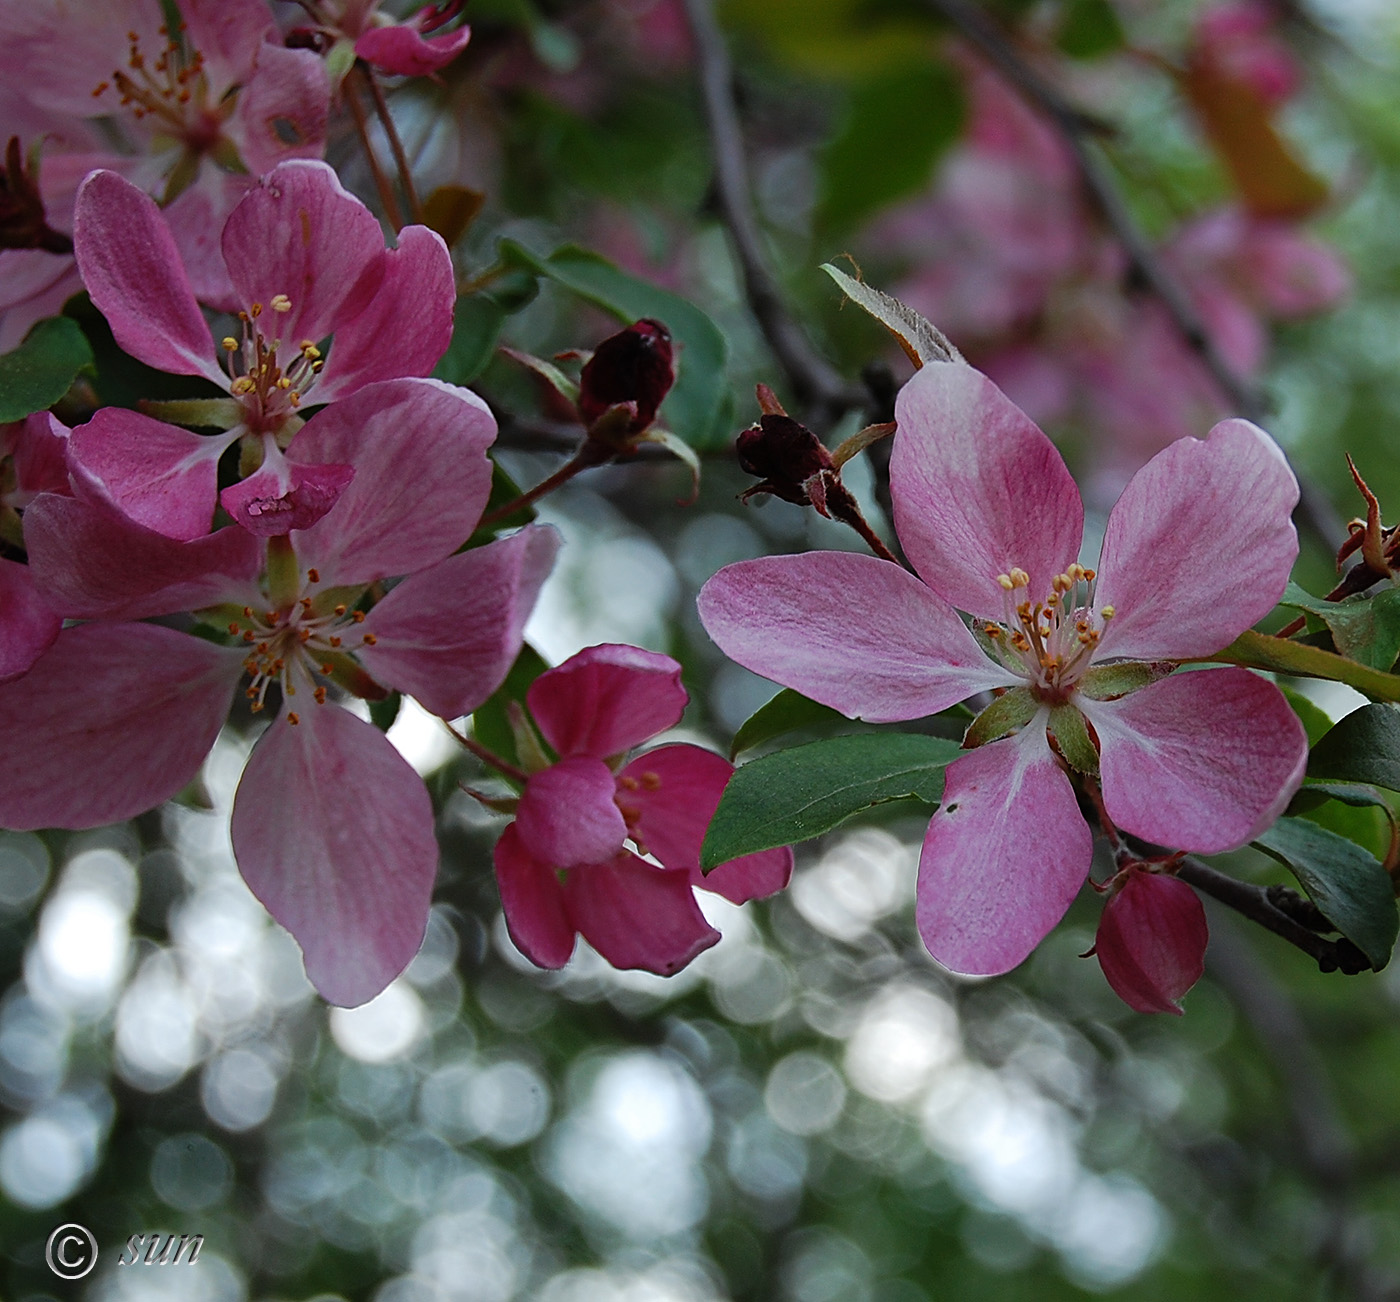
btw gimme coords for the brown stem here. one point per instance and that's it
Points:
(387, 199)
(581, 460)
(386, 119)
(488, 757)
(872, 539)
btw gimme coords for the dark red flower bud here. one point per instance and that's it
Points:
(1152, 940)
(785, 455)
(23, 224)
(633, 368)
(307, 38)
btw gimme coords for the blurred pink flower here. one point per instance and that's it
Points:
(563, 866)
(1197, 549)
(345, 30)
(1151, 941)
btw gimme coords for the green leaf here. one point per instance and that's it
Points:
(383, 713)
(1089, 29)
(786, 712)
(896, 126)
(1346, 883)
(42, 369)
(797, 794)
(1315, 720)
(1260, 651)
(490, 722)
(1365, 629)
(477, 322)
(1363, 747)
(698, 406)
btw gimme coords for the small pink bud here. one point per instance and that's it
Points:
(1152, 940)
(634, 366)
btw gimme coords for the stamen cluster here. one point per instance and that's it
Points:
(269, 393)
(166, 88)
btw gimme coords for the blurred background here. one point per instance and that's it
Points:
(813, 1111)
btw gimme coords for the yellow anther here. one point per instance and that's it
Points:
(281, 303)
(1005, 581)
(1020, 578)
(1108, 612)
(993, 630)
(1090, 575)
(284, 383)
(230, 343)
(241, 386)
(309, 350)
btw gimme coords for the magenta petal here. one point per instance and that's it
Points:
(1004, 856)
(40, 450)
(299, 232)
(92, 563)
(1200, 545)
(637, 916)
(607, 699)
(132, 268)
(1201, 761)
(669, 796)
(406, 327)
(859, 634)
(27, 625)
(110, 721)
(196, 219)
(155, 474)
(533, 902)
(421, 478)
(403, 52)
(449, 634)
(333, 832)
(567, 815)
(978, 489)
(1151, 941)
(277, 499)
(284, 109)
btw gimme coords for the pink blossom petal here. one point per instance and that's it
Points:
(856, 633)
(284, 110)
(668, 796)
(227, 34)
(637, 916)
(421, 478)
(1003, 858)
(977, 490)
(407, 326)
(567, 815)
(110, 721)
(299, 232)
(33, 285)
(401, 51)
(93, 563)
(132, 268)
(155, 474)
(1201, 761)
(196, 220)
(28, 626)
(333, 832)
(1200, 545)
(40, 451)
(533, 902)
(1152, 940)
(449, 634)
(607, 699)
(281, 496)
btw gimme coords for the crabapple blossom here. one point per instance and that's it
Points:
(563, 866)
(1197, 549)
(346, 30)
(1151, 941)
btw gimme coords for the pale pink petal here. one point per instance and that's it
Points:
(299, 232)
(1151, 941)
(284, 110)
(668, 797)
(227, 34)
(977, 490)
(90, 562)
(132, 268)
(1199, 547)
(408, 325)
(449, 634)
(533, 902)
(637, 916)
(156, 474)
(110, 721)
(1291, 273)
(33, 285)
(1003, 858)
(333, 832)
(856, 633)
(1204, 760)
(567, 815)
(421, 478)
(400, 50)
(281, 496)
(607, 699)
(27, 625)
(196, 220)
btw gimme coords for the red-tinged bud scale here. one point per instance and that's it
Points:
(785, 455)
(1151, 941)
(633, 368)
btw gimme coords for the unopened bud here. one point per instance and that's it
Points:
(1151, 941)
(635, 368)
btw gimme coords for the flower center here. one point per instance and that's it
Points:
(173, 89)
(1049, 642)
(269, 392)
(632, 814)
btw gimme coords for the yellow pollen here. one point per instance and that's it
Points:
(1005, 581)
(1020, 578)
(284, 383)
(309, 350)
(1107, 612)
(293, 718)
(241, 386)
(281, 303)
(651, 781)
(230, 343)
(993, 631)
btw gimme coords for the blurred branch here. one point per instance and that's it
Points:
(1075, 126)
(812, 379)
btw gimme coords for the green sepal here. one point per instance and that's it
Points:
(1072, 733)
(1108, 682)
(1008, 713)
(202, 413)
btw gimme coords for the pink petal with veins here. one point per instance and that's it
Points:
(28, 626)
(533, 902)
(567, 815)
(401, 51)
(284, 110)
(268, 503)
(1151, 941)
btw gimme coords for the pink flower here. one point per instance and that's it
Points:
(563, 866)
(308, 262)
(1152, 939)
(403, 49)
(332, 829)
(1197, 549)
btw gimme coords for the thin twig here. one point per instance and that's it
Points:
(1074, 126)
(386, 120)
(387, 199)
(488, 757)
(582, 460)
(812, 379)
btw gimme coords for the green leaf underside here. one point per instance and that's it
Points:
(1357, 794)
(40, 371)
(786, 712)
(697, 408)
(1365, 629)
(477, 322)
(1346, 883)
(800, 793)
(1260, 651)
(490, 723)
(923, 341)
(1363, 747)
